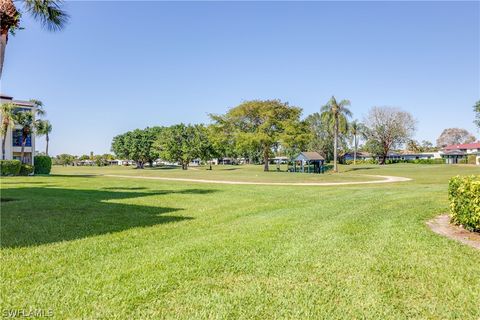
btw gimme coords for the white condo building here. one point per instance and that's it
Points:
(13, 142)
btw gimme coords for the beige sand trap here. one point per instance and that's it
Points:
(442, 226)
(385, 179)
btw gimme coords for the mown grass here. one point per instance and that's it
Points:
(100, 247)
(252, 173)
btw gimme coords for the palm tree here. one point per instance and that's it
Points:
(44, 128)
(25, 119)
(48, 12)
(8, 121)
(39, 111)
(336, 112)
(355, 130)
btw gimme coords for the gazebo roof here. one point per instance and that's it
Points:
(454, 153)
(310, 156)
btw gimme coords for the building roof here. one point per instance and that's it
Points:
(309, 156)
(473, 145)
(454, 153)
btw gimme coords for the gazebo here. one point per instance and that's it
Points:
(304, 161)
(453, 156)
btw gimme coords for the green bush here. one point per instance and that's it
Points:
(10, 167)
(472, 159)
(43, 164)
(464, 196)
(26, 169)
(360, 161)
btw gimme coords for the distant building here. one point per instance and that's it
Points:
(348, 156)
(457, 153)
(13, 140)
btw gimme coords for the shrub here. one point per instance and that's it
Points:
(472, 159)
(26, 169)
(10, 167)
(464, 195)
(43, 164)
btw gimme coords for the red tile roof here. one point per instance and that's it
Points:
(474, 145)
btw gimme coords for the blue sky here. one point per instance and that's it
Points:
(124, 65)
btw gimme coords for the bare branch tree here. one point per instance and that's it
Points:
(388, 128)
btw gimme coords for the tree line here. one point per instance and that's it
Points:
(256, 130)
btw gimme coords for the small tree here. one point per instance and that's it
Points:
(356, 130)
(8, 121)
(136, 145)
(387, 128)
(44, 128)
(25, 119)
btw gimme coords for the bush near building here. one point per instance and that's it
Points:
(43, 164)
(10, 167)
(26, 169)
(464, 195)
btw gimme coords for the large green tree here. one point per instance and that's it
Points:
(182, 143)
(136, 145)
(336, 113)
(260, 125)
(48, 12)
(8, 121)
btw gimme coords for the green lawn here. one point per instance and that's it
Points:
(104, 247)
(252, 173)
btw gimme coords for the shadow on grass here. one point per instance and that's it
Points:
(49, 215)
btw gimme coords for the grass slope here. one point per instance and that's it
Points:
(98, 247)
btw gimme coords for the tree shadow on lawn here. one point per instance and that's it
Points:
(49, 215)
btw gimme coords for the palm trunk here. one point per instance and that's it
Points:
(210, 162)
(22, 151)
(3, 45)
(265, 159)
(4, 139)
(355, 150)
(46, 148)
(335, 146)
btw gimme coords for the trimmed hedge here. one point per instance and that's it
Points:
(10, 167)
(26, 169)
(43, 164)
(464, 195)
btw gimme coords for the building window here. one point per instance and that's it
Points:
(17, 139)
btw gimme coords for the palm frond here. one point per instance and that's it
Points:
(48, 12)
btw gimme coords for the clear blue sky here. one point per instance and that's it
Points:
(123, 65)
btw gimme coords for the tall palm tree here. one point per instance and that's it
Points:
(48, 12)
(8, 121)
(25, 119)
(355, 130)
(336, 111)
(43, 128)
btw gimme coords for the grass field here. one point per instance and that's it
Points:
(86, 246)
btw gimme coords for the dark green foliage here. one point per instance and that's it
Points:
(182, 143)
(464, 195)
(43, 164)
(10, 167)
(26, 169)
(137, 145)
(260, 126)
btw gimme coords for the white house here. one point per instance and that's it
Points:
(13, 142)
